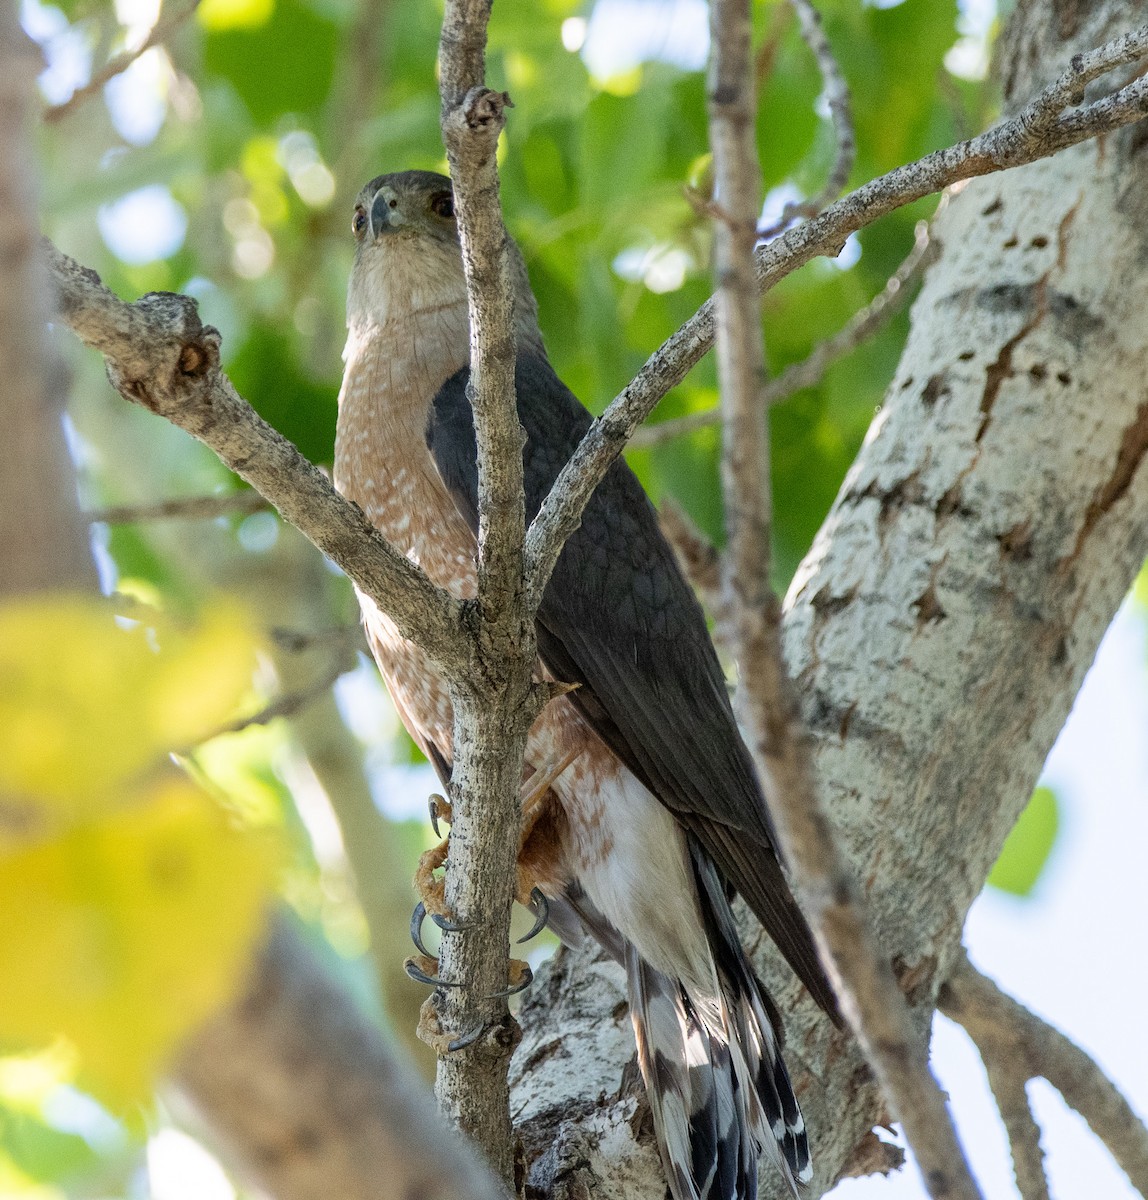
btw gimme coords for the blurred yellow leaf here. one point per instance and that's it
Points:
(127, 931)
(89, 700)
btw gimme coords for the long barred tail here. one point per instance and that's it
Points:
(718, 1087)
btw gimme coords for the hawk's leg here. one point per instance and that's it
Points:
(423, 967)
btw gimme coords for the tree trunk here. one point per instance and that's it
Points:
(943, 621)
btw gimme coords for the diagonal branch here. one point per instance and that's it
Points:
(163, 358)
(1029, 136)
(866, 323)
(160, 32)
(767, 705)
(183, 508)
(1013, 1041)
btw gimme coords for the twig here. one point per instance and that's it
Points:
(766, 56)
(299, 641)
(840, 113)
(289, 704)
(1008, 1087)
(161, 356)
(1012, 143)
(871, 1000)
(190, 508)
(495, 705)
(116, 66)
(866, 323)
(1011, 1038)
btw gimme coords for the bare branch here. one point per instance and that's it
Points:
(493, 713)
(1012, 143)
(1015, 1042)
(289, 703)
(1008, 1088)
(840, 112)
(864, 324)
(189, 508)
(160, 31)
(871, 1000)
(162, 357)
(311, 1099)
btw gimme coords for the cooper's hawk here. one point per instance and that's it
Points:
(655, 816)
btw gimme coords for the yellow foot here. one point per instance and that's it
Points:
(430, 1031)
(427, 884)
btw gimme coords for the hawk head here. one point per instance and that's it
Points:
(408, 258)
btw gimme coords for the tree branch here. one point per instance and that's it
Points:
(189, 508)
(766, 702)
(840, 113)
(160, 31)
(1012, 143)
(163, 358)
(697, 556)
(34, 461)
(495, 705)
(866, 323)
(1017, 1046)
(301, 1089)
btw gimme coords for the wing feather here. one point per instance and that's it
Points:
(619, 618)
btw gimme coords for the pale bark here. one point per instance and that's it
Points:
(942, 623)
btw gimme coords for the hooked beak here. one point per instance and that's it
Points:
(384, 219)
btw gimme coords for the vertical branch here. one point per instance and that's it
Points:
(52, 549)
(493, 707)
(472, 119)
(871, 999)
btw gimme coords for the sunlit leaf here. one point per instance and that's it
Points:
(87, 702)
(127, 931)
(1027, 847)
(234, 14)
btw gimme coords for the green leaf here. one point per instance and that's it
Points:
(1028, 846)
(286, 64)
(267, 373)
(39, 1151)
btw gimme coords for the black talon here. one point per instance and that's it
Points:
(540, 906)
(417, 919)
(445, 925)
(526, 981)
(415, 972)
(433, 806)
(465, 1039)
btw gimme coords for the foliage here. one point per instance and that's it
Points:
(130, 897)
(1028, 845)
